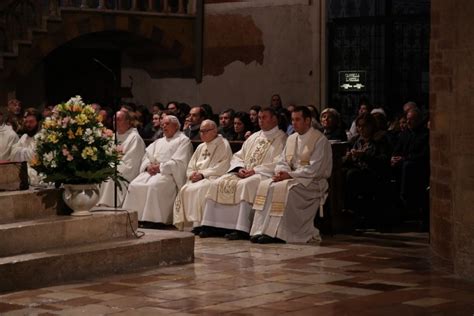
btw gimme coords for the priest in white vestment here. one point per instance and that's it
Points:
(25, 148)
(286, 204)
(132, 147)
(229, 199)
(163, 173)
(210, 160)
(8, 138)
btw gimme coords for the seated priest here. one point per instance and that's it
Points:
(25, 148)
(228, 207)
(286, 204)
(210, 160)
(132, 147)
(8, 138)
(163, 173)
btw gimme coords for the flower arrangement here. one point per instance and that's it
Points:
(73, 147)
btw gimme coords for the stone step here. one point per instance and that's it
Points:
(30, 204)
(38, 269)
(61, 231)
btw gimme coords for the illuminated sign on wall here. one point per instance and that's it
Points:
(352, 81)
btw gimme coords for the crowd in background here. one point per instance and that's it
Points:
(381, 153)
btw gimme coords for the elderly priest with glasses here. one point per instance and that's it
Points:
(210, 160)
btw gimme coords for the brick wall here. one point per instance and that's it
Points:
(452, 133)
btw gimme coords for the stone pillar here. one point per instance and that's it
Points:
(452, 133)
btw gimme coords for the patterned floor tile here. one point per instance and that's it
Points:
(342, 276)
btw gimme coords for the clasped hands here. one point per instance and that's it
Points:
(196, 176)
(280, 176)
(153, 168)
(245, 173)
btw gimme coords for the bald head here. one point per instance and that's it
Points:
(208, 131)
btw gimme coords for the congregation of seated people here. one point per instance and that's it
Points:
(260, 175)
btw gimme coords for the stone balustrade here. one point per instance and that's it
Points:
(19, 18)
(186, 7)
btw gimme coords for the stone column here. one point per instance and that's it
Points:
(452, 134)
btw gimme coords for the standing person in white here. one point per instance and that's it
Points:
(210, 160)
(230, 198)
(132, 147)
(286, 204)
(24, 149)
(163, 173)
(8, 138)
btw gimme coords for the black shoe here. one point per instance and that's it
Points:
(254, 239)
(206, 233)
(196, 230)
(237, 235)
(265, 239)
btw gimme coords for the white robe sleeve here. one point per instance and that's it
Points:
(320, 164)
(148, 157)
(178, 163)
(7, 140)
(133, 151)
(23, 150)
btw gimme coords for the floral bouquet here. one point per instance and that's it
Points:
(73, 147)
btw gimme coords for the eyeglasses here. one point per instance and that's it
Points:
(205, 130)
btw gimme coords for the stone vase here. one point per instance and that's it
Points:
(81, 198)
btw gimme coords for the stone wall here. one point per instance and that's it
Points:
(252, 49)
(452, 133)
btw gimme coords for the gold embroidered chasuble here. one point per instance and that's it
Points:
(259, 152)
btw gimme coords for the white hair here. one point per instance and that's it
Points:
(174, 120)
(209, 122)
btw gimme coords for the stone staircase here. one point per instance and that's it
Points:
(39, 247)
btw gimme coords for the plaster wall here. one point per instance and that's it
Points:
(452, 133)
(252, 49)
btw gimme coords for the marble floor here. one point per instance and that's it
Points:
(344, 275)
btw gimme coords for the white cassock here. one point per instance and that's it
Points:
(211, 160)
(24, 150)
(229, 199)
(133, 149)
(153, 196)
(286, 209)
(8, 138)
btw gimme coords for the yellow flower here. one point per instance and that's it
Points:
(53, 138)
(89, 152)
(82, 119)
(79, 131)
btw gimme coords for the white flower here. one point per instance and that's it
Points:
(75, 100)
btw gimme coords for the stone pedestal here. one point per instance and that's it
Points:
(13, 176)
